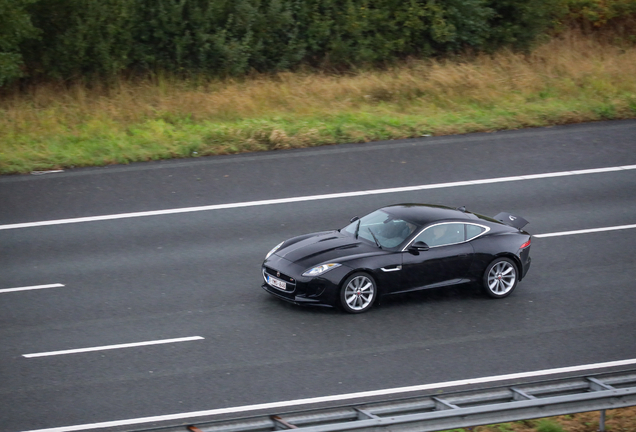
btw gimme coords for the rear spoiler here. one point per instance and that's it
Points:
(512, 220)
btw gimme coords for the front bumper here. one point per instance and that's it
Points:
(297, 300)
(322, 290)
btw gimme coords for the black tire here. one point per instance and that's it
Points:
(358, 293)
(500, 278)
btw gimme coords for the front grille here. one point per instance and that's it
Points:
(290, 282)
(279, 275)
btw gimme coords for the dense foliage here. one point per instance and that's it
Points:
(69, 39)
(15, 27)
(600, 13)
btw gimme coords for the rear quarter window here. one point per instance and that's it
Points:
(473, 231)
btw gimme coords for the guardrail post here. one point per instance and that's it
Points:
(601, 422)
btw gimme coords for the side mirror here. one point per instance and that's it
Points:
(418, 246)
(353, 219)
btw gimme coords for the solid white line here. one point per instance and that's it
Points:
(315, 197)
(585, 231)
(35, 287)
(110, 347)
(348, 396)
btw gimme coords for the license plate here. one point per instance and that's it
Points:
(276, 283)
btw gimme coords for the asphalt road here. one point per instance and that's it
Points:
(198, 274)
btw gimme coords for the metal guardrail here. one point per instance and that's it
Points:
(451, 410)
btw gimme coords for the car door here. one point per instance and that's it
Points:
(446, 262)
(388, 271)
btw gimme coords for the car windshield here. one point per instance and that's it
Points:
(381, 228)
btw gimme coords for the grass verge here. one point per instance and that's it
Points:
(619, 420)
(567, 80)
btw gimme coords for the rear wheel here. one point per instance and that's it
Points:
(500, 278)
(358, 293)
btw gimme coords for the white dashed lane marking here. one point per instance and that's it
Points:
(111, 347)
(29, 288)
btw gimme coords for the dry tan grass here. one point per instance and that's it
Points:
(563, 65)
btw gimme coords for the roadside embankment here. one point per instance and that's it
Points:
(571, 78)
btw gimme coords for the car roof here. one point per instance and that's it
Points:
(424, 214)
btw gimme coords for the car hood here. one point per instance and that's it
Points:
(324, 247)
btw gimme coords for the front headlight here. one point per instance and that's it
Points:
(274, 249)
(318, 270)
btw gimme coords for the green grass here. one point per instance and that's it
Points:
(545, 425)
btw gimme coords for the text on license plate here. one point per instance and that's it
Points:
(276, 283)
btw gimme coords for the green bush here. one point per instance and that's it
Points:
(358, 32)
(518, 23)
(216, 37)
(612, 20)
(102, 38)
(15, 27)
(80, 38)
(599, 13)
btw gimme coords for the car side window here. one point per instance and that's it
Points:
(442, 234)
(473, 231)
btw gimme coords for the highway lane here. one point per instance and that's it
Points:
(199, 274)
(331, 169)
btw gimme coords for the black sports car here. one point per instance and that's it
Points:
(396, 249)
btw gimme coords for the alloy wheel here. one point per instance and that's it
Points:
(502, 278)
(359, 293)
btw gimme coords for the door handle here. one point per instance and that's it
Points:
(391, 269)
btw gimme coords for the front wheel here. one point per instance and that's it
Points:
(358, 293)
(500, 278)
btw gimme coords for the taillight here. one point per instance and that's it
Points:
(526, 244)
